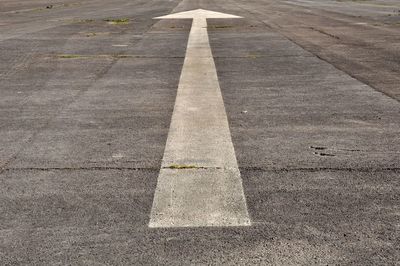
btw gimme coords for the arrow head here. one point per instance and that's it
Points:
(197, 13)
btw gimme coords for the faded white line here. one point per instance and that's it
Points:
(199, 182)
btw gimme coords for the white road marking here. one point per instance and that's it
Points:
(199, 182)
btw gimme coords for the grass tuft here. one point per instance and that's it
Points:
(70, 56)
(220, 27)
(119, 21)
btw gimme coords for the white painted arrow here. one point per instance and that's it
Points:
(199, 182)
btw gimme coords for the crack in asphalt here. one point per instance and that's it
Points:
(262, 169)
(90, 168)
(98, 76)
(322, 169)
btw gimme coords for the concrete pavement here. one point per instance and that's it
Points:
(87, 95)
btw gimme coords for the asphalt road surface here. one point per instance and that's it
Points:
(281, 136)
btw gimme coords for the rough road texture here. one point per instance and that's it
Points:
(311, 94)
(359, 37)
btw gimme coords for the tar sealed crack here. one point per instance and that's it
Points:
(320, 169)
(325, 33)
(319, 148)
(324, 154)
(106, 56)
(78, 168)
(181, 166)
(184, 166)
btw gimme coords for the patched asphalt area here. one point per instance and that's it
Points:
(84, 116)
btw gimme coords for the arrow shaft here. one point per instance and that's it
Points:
(210, 193)
(198, 43)
(199, 133)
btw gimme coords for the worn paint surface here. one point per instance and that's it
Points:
(210, 193)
